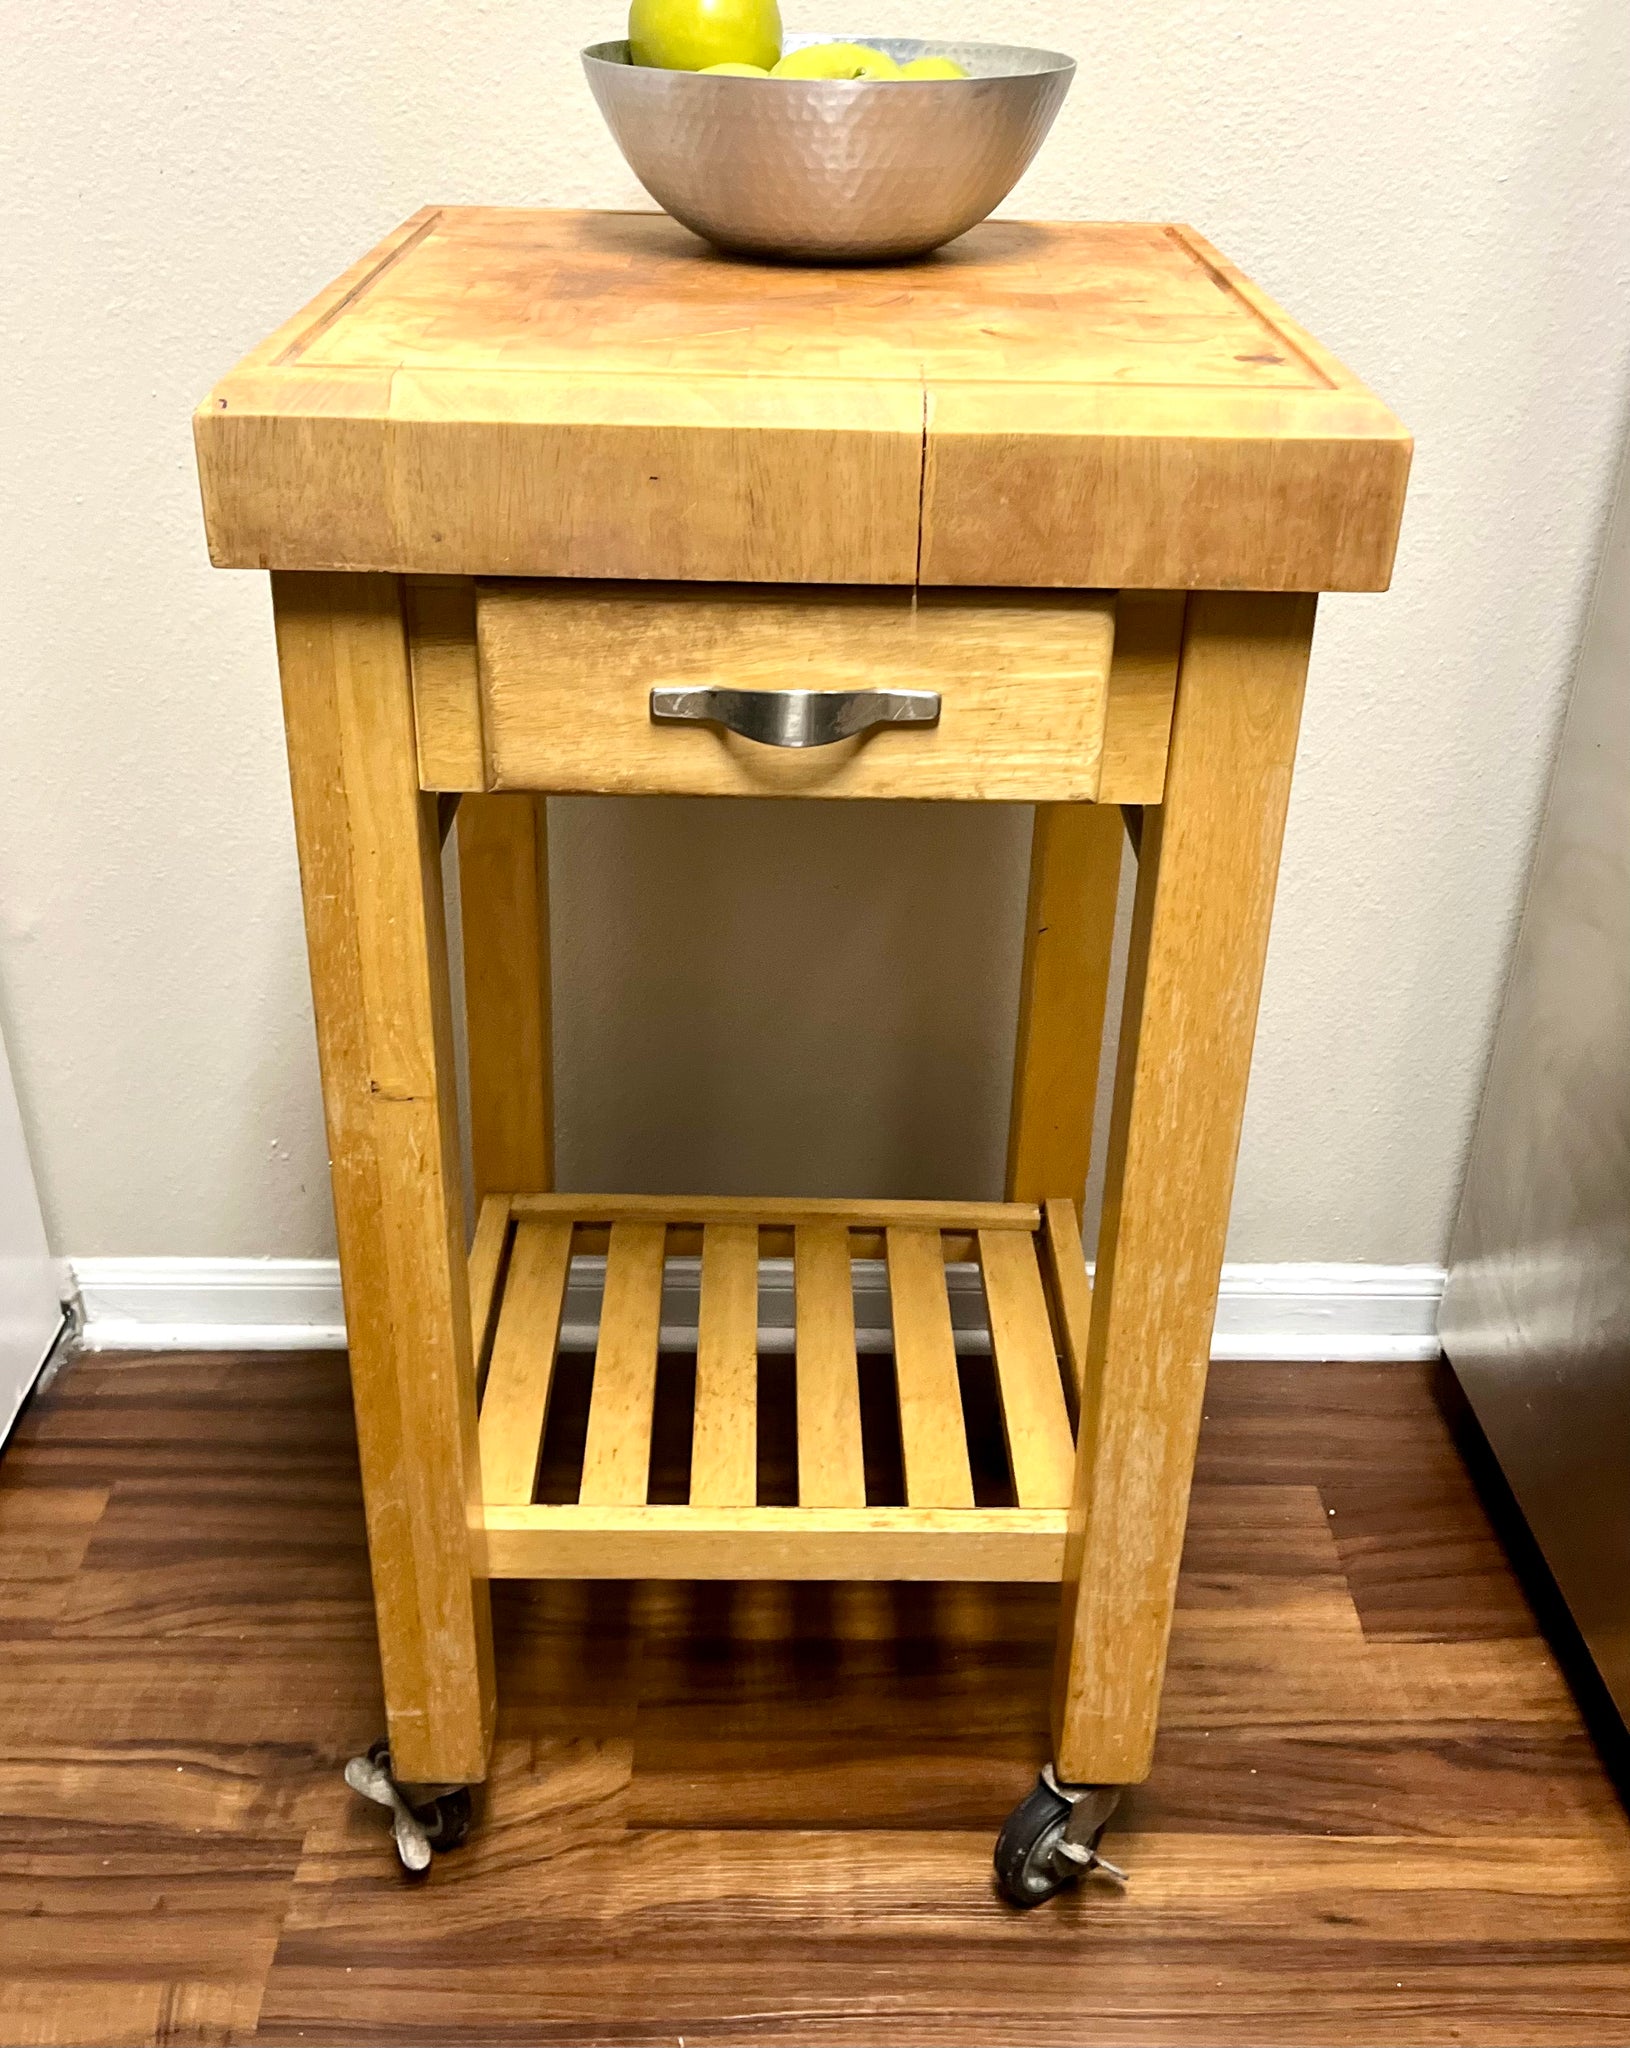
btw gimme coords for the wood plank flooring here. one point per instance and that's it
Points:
(765, 1814)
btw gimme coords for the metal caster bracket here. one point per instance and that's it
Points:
(1090, 1809)
(1050, 1839)
(439, 1821)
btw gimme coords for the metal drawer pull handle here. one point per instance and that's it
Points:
(795, 718)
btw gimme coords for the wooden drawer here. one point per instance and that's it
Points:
(1044, 696)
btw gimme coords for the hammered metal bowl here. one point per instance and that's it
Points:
(833, 170)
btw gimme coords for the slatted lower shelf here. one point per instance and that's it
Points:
(965, 1488)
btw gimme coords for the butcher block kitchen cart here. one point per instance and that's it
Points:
(569, 502)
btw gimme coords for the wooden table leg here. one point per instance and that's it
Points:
(1075, 874)
(503, 866)
(1207, 866)
(370, 872)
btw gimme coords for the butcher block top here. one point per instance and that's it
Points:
(520, 393)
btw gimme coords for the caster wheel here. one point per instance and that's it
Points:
(1029, 1867)
(1051, 1838)
(422, 1827)
(446, 1819)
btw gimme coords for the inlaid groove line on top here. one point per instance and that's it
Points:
(724, 1440)
(933, 1437)
(296, 336)
(831, 1460)
(617, 1452)
(523, 1360)
(486, 1261)
(1040, 1447)
(1072, 1290)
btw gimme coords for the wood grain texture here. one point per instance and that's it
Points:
(1064, 1270)
(831, 1463)
(520, 393)
(724, 1452)
(1069, 938)
(488, 1251)
(567, 672)
(791, 1794)
(1142, 690)
(370, 866)
(617, 1454)
(1207, 868)
(794, 1209)
(503, 870)
(440, 614)
(932, 1437)
(1040, 1444)
(885, 1452)
(516, 1397)
(845, 1544)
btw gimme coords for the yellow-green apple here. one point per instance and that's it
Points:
(692, 35)
(836, 60)
(932, 67)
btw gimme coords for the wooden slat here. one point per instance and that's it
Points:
(775, 1241)
(1075, 872)
(617, 1454)
(1040, 1448)
(516, 1400)
(486, 1260)
(1072, 1290)
(933, 1438)
(503, 868)
(831, 1462)
(798, 1209)
(1005, 1545)
(724, 1442)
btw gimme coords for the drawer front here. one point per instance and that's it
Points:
(1043, 696)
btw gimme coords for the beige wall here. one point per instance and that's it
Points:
(822, 997)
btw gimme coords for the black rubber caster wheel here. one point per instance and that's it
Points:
(423, 1827)
(1029, 1867)
(445, 1819)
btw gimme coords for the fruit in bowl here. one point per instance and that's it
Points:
(820, 148)
(742, 39)
(699, 35)
(836, 60)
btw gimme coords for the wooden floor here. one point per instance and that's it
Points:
(766, 1814)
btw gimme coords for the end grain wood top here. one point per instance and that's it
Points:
(506, 392)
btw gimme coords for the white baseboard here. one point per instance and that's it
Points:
(1293, 1311)
(209, 1304)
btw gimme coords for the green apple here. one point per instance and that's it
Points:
(693, 35)
(734, 71)
(932, 67)
(836, 60)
